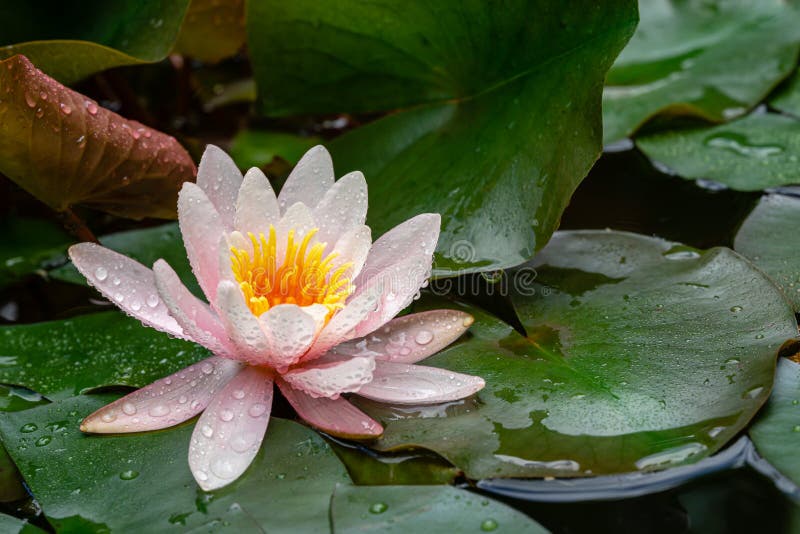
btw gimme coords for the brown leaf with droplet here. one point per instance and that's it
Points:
(65, 149)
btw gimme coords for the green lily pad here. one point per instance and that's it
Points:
(13, 400)
(777, 429)
(768, 237)
(212, 30)
(15, 525)
(756, 152)
(787, 97)
(71, 40)
(63, 358)
(639, 354)
(27, 245)
(145, 246)
(430, 509)
(141, 482)
(712, 59)
(258, 148)
(369, 468)
(488, 100)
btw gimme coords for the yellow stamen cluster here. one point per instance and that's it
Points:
(304, 276)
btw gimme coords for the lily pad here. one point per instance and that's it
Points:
(29, 244)
(488, 99)
(141, 482)
(212, 30)
(14, 525)
(369, 468)
(63, 358)
(639, 354)
(64, 149)
(757, 152)
(768, 237)
(787, 97)
(777, 429)
(71, 40)
(258, 148)
(145, 245)
(430, 509)
(711, 59)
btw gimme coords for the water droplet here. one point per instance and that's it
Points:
(128, 408)
(207, 431)
(129, 474)
(489, 525)
(43, 441)
(101, 273)
(91, 107)
(223, 468)
(796, 428)
(378, 508)
(182, 399)
(136, 305)
(207, 368)
(201, 475)
(257, 410)
(739, 144)
(226, 415)
(159, 410)
(424, 337)
(109, 417)
(65, 109)
(30, 100)
(28, 428)
(80, 139)
(152, 300)
(238, 394)
(736, 309)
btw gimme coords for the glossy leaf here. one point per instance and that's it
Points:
(777, 429)
(145, 245)
(787, 97)
(490, 97)
(750, 154)
(639, 354)
(370, 468)
(64, 149)
(141, 482)
(710, 59)
(768, 237)
(27, 245)
(12, 400)
(430, 509)
(212, 30)
(258, 148)
(62, 358)
(71, 40)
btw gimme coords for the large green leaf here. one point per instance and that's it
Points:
(429, 509)
(639, 354)
(63, 358)
(713, 59)
(777, 430)
(500, 119)
(769, 238)
(258, 148)
(212, 30)
(27, 245)
(64, 149)
(142, 483)
(70, 40)
(750, 154)
(145, 246)
(787, 97)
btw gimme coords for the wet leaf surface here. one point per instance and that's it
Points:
(430, 509)
(141, 482)
(487, 100)
(757, 152)
(258, 148)
(212, 30)
(640, 354)
(768, 237)
(713, 60)
(27, 245)
(63, 358)
(71, 40)
(65, 149)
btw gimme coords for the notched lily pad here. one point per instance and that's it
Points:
(65, 149)
(640, 354)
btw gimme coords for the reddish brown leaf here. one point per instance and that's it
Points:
(65, 149)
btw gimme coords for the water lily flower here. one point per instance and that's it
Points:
(298, 296)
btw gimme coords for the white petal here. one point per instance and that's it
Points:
(220, 179)
(353, 247)
(194, 316)
(202, 229)
(400, 383)
(229, 433)
(410, 338)
(297, 218)
(125, 282)
(241, 325)
(289, 332)
(310, 179)
(343, 207)
(256, 206)
(335, 416)
(332, 379)
(165, 402)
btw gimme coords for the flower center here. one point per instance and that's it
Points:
(305, 276)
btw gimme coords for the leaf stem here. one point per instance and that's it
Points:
(75, 225)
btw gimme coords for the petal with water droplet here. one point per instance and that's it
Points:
(335, 416)
(343, 207)
(165, 402)
(229, 433)
(103, 267)
(256, 206)
(353, 247)
(310, 179)
(289, 332)
(400, 383)
(201, 228)
(332, 379)
(410, 338)
(240, 324)
(220, 179)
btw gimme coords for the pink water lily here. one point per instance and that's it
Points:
(299, 296)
